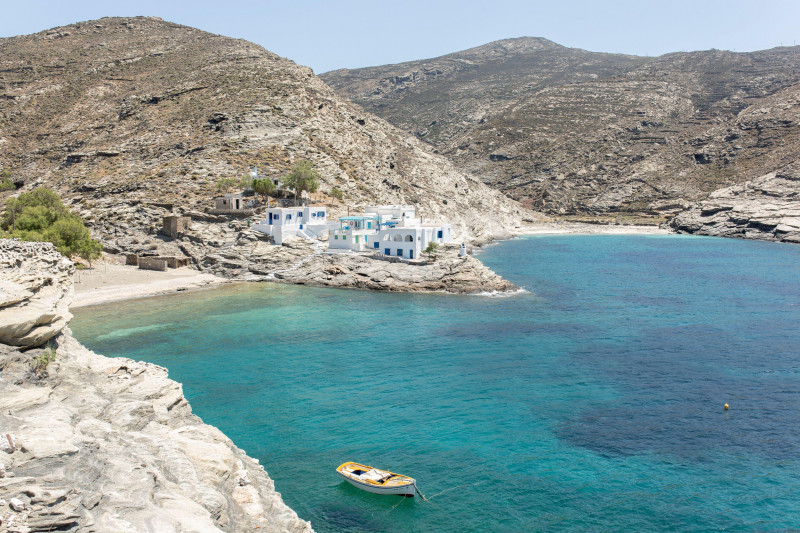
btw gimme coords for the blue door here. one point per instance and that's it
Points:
(387, 251)
(399, 252)
(376, 245)
(411, 254)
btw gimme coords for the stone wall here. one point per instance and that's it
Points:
(152, 263)
(174, 226)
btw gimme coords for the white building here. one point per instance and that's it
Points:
(308, 222)
(409, 242)
(233, 203)
(356, 233)
(391, 230)
(400, 214)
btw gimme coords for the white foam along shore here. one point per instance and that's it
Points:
(109, 282)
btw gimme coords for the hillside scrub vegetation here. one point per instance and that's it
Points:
(40, 216)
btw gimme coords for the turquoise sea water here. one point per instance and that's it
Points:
(592, 403)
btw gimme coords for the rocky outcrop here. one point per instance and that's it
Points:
(766, 208)
(35, 292)
(90, 443)
(445, 273)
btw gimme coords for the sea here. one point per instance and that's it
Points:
(592, 401)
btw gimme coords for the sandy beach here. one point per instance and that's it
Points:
(575, 228)
(110, 281)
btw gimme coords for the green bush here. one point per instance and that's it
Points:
(40, 362)
(40, 216)
(337, 193)
(5, 181)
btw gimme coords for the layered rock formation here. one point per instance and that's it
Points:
(766, 208)
(91, 443)
(35, 292)
(445, 273)
(572, 132)
(131, 119)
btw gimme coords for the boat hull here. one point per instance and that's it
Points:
(401, 490)
(377, 481)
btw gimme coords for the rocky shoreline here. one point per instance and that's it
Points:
(446, 272)
(91, 443)
(766, 208)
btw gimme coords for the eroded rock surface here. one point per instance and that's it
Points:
(447, 273)
(35, 291)
(766, 208)
(90, 443)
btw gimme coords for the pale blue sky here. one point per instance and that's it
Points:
(359, 33)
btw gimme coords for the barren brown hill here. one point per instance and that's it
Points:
(577, 133)
(123, 115)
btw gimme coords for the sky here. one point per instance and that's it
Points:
(327, 35)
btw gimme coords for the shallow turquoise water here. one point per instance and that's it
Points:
(594, 402)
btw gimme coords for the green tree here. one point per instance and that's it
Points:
(246, 181)
(303, 177)
(431, 249)
(337, 193)
(13, 209)
(225, 184)
(89, 250)
(6, 184)
(264, 187)
(39, 215)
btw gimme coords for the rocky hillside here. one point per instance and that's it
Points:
(573, 132)
(89, 443)
(126, 116)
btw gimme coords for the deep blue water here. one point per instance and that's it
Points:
(592, 403)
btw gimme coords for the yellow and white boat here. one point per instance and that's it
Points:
(377, 481)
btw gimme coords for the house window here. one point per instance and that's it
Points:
(288, 217)
(376, 244)
(399, 252)
(369, 225)
(386, 251)
(344, 237)
(440, 234)
(336, 237)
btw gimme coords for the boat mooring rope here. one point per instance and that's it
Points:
(448, 490)
(420, 493)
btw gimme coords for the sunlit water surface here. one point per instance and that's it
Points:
(592, 402)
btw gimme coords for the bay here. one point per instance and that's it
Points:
(593, 401)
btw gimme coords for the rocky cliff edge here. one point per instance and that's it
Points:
(90, 443)
(766, 208)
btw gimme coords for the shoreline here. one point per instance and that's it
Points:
(578, 228)
(111, 282)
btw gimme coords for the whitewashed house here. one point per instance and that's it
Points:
(356, 233)
(391, 230)
(408, 242)
(309, 222)
(401, 215)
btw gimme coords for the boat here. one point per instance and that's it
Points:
(377, 481)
